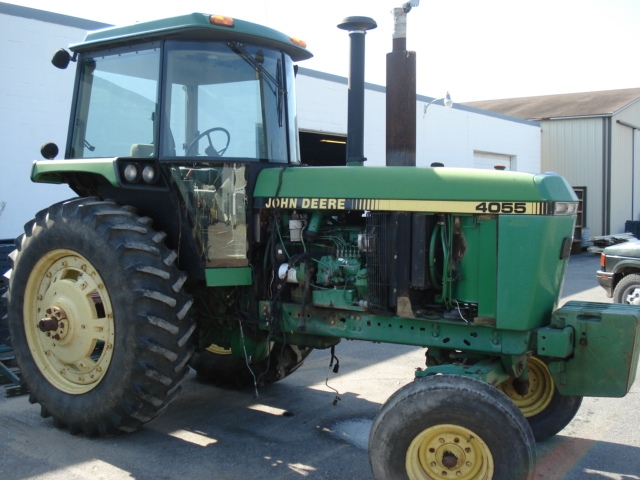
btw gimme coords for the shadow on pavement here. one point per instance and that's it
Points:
(570, 458)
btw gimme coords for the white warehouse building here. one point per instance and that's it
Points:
(36, 97)
(459, 136)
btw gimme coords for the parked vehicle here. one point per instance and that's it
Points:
(619, 272)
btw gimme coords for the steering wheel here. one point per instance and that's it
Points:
(210, 151)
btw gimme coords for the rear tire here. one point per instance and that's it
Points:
(450, 426)
(97, 316)
(218, 366)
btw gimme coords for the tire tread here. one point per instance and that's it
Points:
(157, 312)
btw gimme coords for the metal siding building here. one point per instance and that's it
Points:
(625, 164)
(593, 140)
(574, 148)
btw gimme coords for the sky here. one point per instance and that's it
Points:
(474, 49)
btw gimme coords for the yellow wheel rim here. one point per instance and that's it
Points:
(541, 389)
(213, 348)
(447, 452)
(68, 321)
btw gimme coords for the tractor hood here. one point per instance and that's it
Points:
(413, 189)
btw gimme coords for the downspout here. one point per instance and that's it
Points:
(606, 175)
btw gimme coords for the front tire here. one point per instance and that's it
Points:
(628, 290)
(97, 316)
(450, 426)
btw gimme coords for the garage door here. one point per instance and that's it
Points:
(489, 160)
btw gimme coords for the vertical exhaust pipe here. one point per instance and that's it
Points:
(401, 95)
(357, 28)
(405, 232)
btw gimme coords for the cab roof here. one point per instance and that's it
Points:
(194, 26)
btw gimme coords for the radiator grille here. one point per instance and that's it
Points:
(377, 265)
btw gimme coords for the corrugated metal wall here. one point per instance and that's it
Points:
(574, 149)
(625, 168)
(603, 155)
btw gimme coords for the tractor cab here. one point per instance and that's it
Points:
(196, 105)
(179, 100)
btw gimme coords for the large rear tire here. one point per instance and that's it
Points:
(450, 426)
(546, 410)
(97, 316)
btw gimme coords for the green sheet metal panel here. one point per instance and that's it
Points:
(225, 277)
(477, 272)
(52, 171)
(531, 273)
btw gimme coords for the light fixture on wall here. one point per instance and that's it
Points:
(328, 140)
(447, 102)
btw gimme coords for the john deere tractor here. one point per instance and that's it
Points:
(199, 239)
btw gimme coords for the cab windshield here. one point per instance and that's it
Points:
(186, 100)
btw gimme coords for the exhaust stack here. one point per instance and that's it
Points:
(401, 94)
(357, 28)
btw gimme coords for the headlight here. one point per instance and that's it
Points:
(140, 173)
(131, 173)
(565, 208)
(149, 174)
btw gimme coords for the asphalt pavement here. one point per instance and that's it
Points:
(293, 430)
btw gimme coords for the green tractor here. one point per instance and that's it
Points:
(198, 239)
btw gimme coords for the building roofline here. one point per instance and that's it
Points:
(578, 117)
(421, 98)
(626, 106)
(603, 104)
(488, 113)
(50, 17)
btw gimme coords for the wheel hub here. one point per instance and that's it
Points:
(633, 298)
(69, 321)
(540, 389)
(55, 325)
(449, 451)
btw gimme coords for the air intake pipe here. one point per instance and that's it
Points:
(357, 28)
